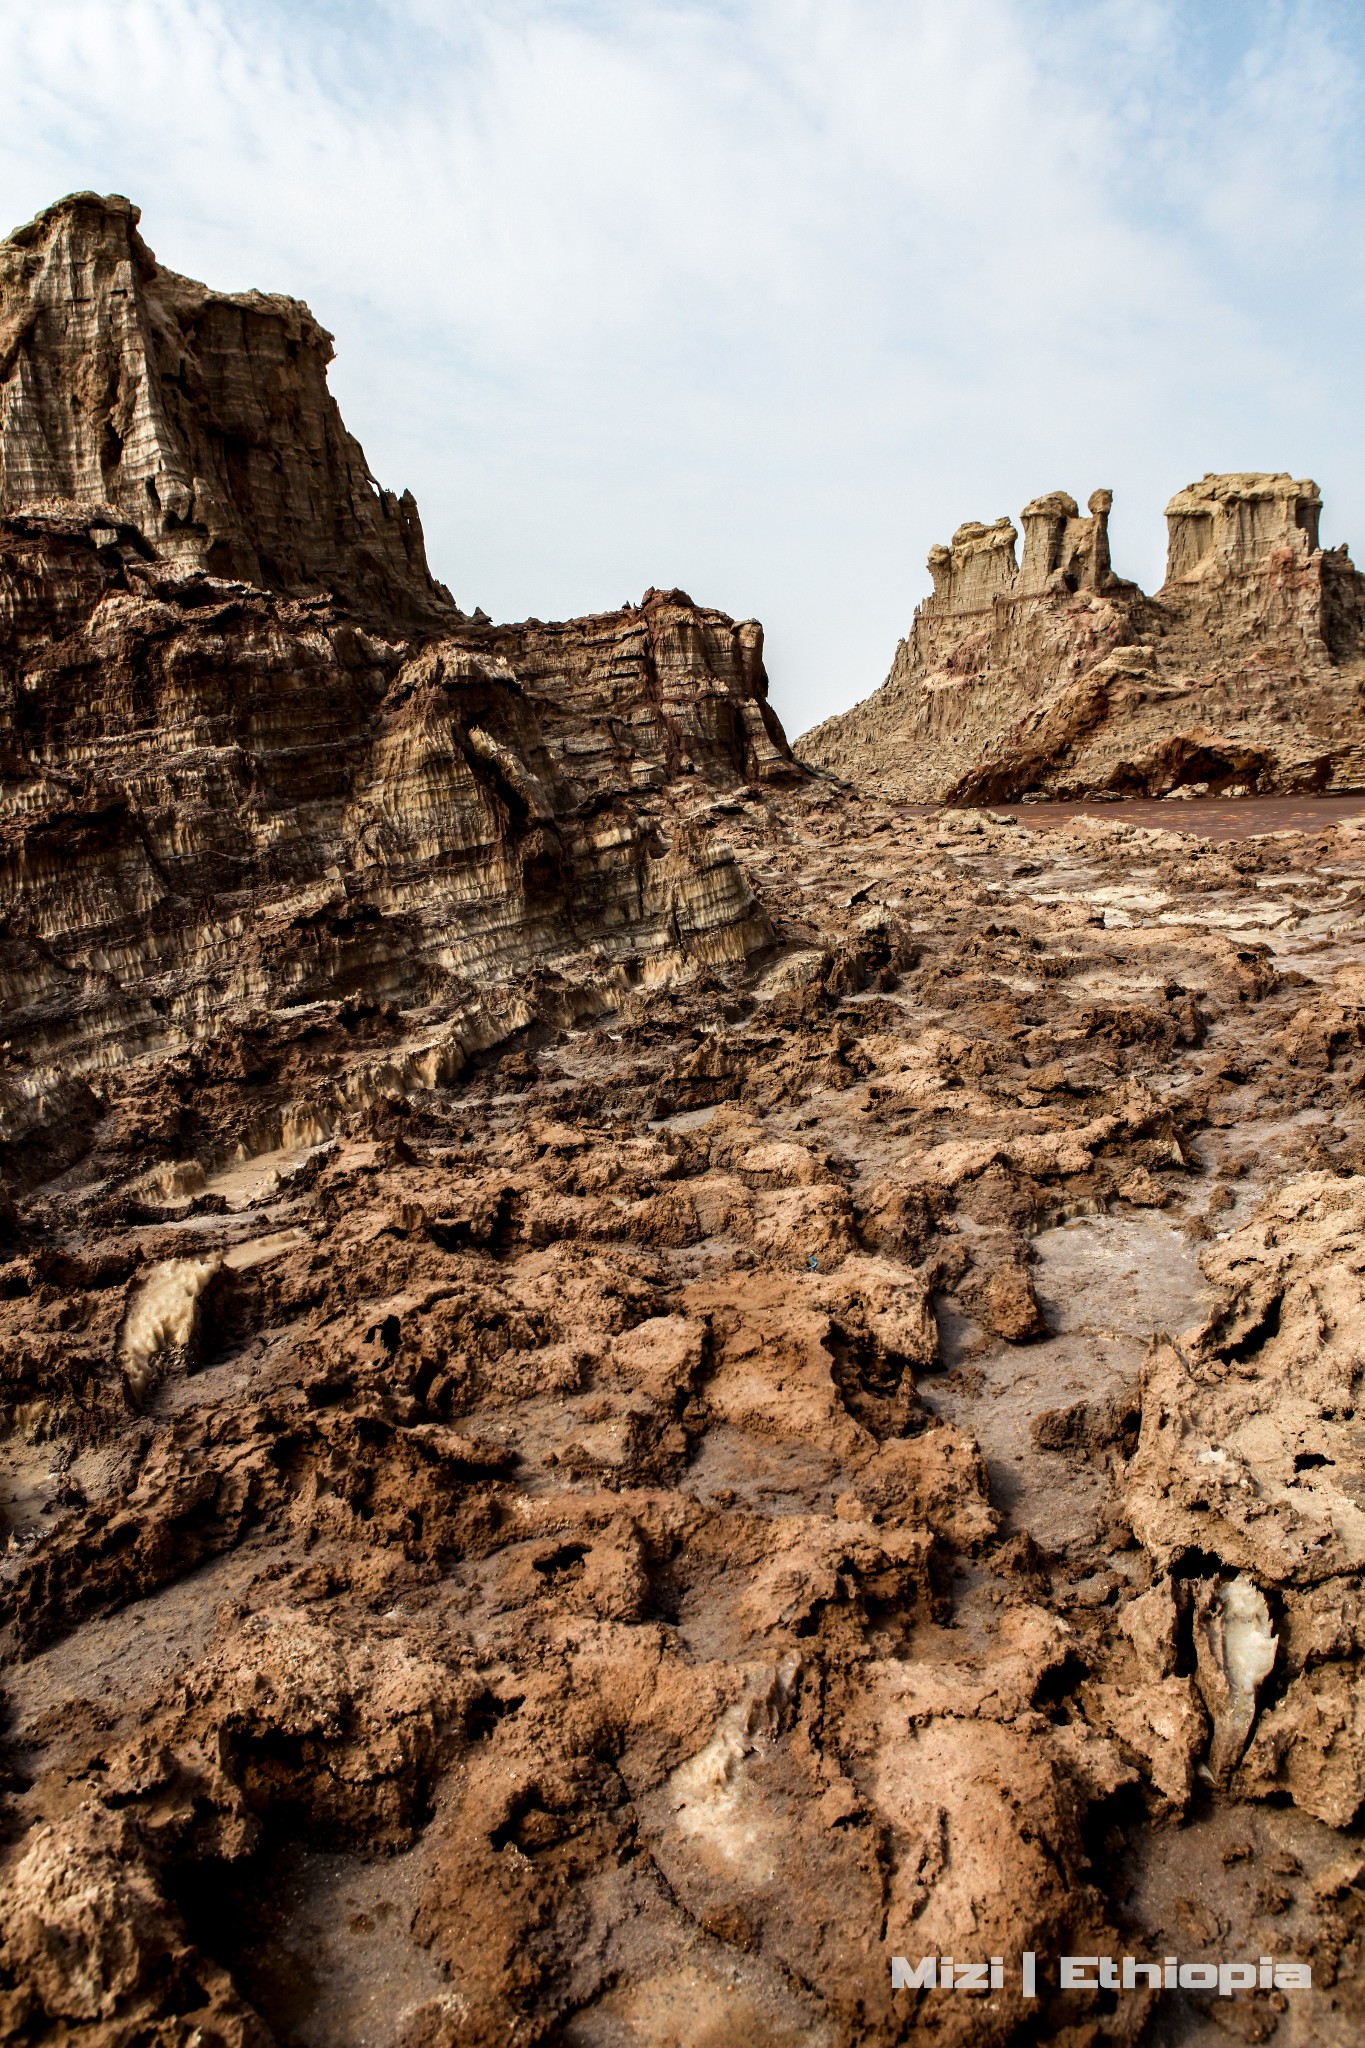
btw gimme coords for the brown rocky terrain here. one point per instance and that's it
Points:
(1054, 678)
(631, 1382)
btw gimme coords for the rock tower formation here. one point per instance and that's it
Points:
(1226, 525)
(1063, 553)
(1055, 677)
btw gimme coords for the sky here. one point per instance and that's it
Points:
(758, 298)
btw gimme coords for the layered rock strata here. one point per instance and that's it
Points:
(219, 802)
(253, 757)
(200, 420)
(1053, 677)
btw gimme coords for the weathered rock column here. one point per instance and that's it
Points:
(1235, 522)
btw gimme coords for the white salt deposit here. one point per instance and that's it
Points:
(254, 1251)
(1248, 1640)
(713, 1798)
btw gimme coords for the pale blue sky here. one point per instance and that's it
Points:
(760, 297)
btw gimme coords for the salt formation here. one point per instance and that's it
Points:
(1235, 1645)
(195, 422)
(302, 773)
(162, 1318)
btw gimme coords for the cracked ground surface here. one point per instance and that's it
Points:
(850, 1455)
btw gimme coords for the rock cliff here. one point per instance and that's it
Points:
(1054, 677)
(252, 754)
(201, 420)
(218, 802)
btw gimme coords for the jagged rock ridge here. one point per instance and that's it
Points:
(1055, 677)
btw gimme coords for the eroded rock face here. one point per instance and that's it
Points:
(200, 420)
(1054, 677)
(220, 802)
(253, 757)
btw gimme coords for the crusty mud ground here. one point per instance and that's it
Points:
(847, 1457)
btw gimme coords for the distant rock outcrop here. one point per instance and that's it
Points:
(1055, 677)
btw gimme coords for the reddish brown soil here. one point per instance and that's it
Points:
(1215, 818)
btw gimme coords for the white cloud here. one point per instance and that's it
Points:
(759, 297)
